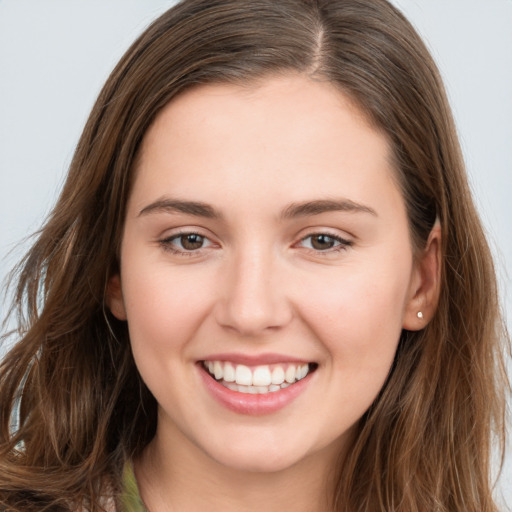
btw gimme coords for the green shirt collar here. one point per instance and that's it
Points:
(130, 498)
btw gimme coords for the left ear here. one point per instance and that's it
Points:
(425, 283)
(114, 297)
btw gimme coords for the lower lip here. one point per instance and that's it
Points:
(253, 405)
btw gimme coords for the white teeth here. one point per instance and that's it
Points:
(277, 375)
(302, 371)
(261, 376)
(243, 375)
(254, 390)
(229, 373)
(259, 379)
(217, 370)
(290, 374)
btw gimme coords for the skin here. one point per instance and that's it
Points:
(259, 285)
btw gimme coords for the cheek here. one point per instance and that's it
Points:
(164, 306)
(358, 316)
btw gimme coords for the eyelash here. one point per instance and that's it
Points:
(167, 243)
(343, 244)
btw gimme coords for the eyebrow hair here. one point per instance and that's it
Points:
(196, 208)
(293, 210)
(325, 205)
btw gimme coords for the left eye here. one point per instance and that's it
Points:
(324, 242)
(186, 242)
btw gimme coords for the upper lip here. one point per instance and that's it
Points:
(255, 359)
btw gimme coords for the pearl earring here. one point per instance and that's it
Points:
(419, 314)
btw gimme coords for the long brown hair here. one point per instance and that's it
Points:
(70, 383)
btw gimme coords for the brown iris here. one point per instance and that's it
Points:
(322, 242)
(191, 241)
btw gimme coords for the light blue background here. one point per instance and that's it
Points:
(56, 54)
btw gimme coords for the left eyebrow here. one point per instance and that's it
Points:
(195, 208)
(325, 205)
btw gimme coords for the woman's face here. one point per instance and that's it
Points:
(266, 239)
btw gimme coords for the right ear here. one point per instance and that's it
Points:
(115, 301)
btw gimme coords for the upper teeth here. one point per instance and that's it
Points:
(264, 375)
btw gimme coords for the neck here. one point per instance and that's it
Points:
(173, 474)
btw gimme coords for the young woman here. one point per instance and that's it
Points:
(264, 285)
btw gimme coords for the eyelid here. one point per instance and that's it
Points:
(343, 243)
(166, 242)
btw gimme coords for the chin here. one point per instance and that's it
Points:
(260, 461)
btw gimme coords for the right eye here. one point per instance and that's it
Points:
(185, 243)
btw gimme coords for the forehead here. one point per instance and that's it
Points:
(291, 97)
(290, 134)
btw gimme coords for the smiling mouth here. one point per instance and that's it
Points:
(260, 379)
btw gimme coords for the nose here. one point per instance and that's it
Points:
(253, 301)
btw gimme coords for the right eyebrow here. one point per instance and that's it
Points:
(169, 205)
(320, 206)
